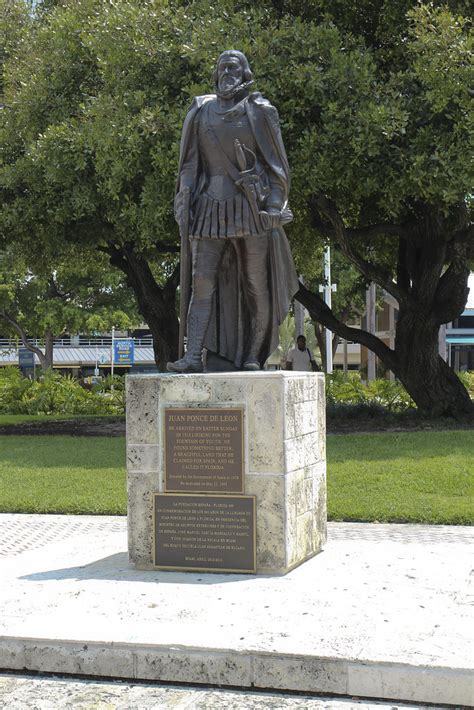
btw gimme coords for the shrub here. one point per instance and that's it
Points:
(467, 378)
(56, 394)
(350, 391)
(13, 387)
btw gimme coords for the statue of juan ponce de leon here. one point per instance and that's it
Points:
(237, 272)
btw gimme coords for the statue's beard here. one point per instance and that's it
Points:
(233, 91)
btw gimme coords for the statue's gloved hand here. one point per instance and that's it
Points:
(270, 219)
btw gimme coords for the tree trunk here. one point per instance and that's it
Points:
(48, 350)
(24, 338)
(430, 288)
(432, 384)
(156, 304)
(318, 331)
(434, 387)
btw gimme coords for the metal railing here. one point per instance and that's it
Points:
(14, 343)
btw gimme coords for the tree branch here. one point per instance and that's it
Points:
(24, 339)
(452, 290)
(465, 236)
(376, 230)
(55, 292)
(319, 311)
(167, 248)
(172, 282)
(371, 272)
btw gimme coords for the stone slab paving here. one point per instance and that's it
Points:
(39, 693)
(21, 532)
(28, 532)
(383, 612)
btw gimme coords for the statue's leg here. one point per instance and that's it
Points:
(206, 257)
(254, 256)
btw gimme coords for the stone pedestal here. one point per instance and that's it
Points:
(284, 456)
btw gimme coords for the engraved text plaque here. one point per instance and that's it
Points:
(204, 532)
(204, 450)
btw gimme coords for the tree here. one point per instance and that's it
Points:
(76, 296)
(375, 117)
(387, 179)
(86, 142)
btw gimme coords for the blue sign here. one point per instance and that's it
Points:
(124, 352)
(26, 358)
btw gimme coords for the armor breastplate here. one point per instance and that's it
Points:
(221, 210)
(225, 128)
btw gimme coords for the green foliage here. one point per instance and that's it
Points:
(55, 394)
(77, 293)
(14, 20)
(106, 383)
(13, 388)
(467, 378)
(376, 117)
(350, 389)
(100, 92)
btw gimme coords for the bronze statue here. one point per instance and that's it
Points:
(237, 272)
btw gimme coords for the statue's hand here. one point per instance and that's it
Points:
(270, 219)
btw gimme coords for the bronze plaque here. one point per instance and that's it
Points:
(204, 532)
(204, 450)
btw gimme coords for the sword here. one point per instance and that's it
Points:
(249, 181)
(184, 268)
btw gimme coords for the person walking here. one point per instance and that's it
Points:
(301, 358)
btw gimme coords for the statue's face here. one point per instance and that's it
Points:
(229, 74)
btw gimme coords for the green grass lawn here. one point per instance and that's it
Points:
(425, 477)
(62, 474)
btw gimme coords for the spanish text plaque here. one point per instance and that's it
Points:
(204, 450)
(204, 532)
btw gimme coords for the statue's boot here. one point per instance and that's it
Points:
(188, 363)
(198, 320)
(252, 363)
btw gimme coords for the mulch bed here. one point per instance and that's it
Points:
(67, 427)
(344, 425)
(392, 423)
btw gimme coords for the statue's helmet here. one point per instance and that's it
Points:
(244, 63)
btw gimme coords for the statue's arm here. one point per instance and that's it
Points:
(278, 173)
(187, 176)
(189, 161)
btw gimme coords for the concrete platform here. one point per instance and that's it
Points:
(381, 613)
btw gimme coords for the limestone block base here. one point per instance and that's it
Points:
(284, 456)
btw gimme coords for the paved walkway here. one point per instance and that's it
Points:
(383, 612)
(33, 693)
(20, 533)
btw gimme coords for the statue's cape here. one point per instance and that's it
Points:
(229, 309)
